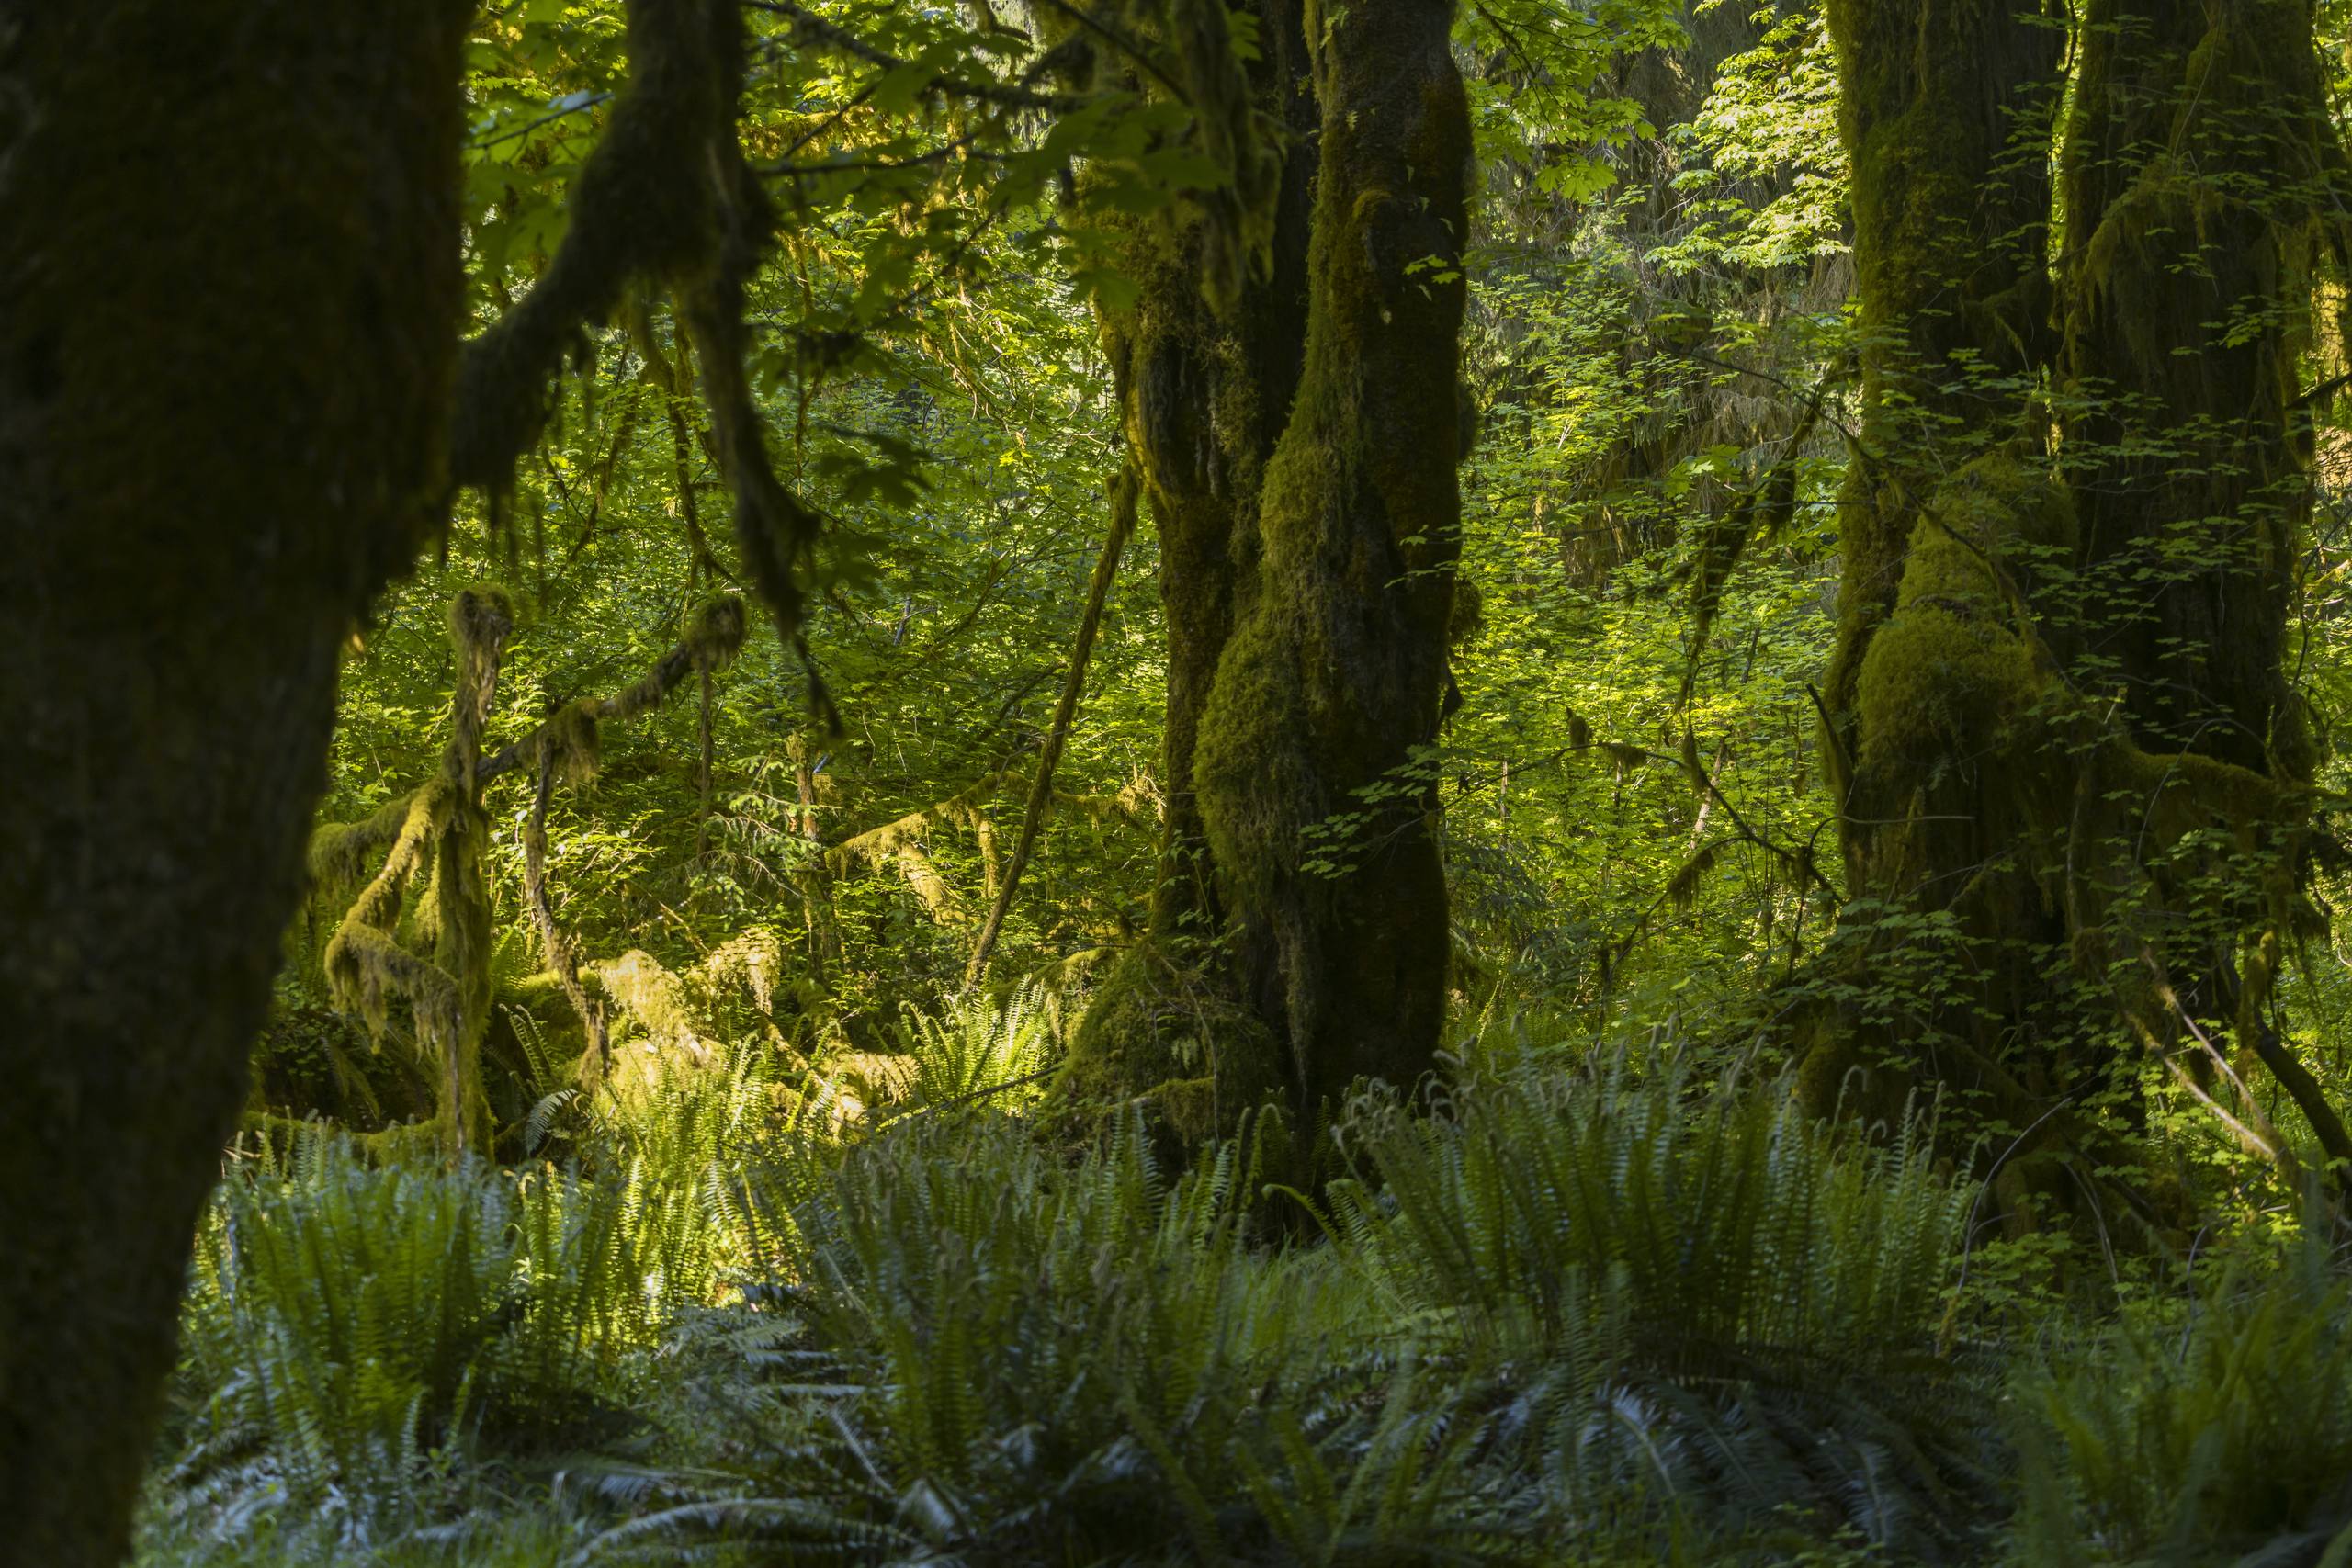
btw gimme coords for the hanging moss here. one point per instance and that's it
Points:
(642, 206)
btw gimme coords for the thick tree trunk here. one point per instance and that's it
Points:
(2203, 179)
(2055, 669)
(2198, 150)
(229, 300)
(1298, 445)
(1311, 781)
(1204, 396)
(1945, 109)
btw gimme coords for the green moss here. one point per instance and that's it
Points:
(1175, 1042)
(1335, 671)
(715, 631)
(1957, 663)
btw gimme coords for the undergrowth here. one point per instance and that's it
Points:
(1598, 1311)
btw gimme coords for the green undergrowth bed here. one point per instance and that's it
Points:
(1613, 1312)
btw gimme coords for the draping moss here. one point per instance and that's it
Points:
(419, 930)
(441, 844)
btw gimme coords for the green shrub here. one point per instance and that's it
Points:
(356, 1337)
(1684, 1291)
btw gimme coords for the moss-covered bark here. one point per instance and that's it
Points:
(229, 302)
(1204, 389)
(1945, 109)
(2203, 178)
(2056, 667)
(2199, 168)
(1334, 673)
(1296, 427)
(231, 407)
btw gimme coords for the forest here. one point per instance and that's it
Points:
(1011, 783)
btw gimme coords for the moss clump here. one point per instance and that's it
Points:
(1174, 1040)
(1958, 662)
(715, 631)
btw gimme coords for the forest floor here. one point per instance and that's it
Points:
(1597, 1309)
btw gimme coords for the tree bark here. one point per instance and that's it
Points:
(2059, 668)
(1297, 444)
(1314, 792)
(228, 305)
(1204, 390)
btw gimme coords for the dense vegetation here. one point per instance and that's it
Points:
(1153, 781)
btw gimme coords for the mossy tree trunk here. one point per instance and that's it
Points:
(1204, 395)
(1203, 391)
(1310, 766)
(2198, 152)
(2035, 645)
(1297, 442)
(1945, 108)
(228, 306)
(2203, 184)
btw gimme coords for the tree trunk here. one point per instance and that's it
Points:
(2054, 669)
(2197, 149)
(1297, 444)
(1204, 395)
(1312, 786)
(2204, 181)
(228, 303)
(1944, 106)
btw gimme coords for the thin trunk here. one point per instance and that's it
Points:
(1041, 791)
(596, 1058)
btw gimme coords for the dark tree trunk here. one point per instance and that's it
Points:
(1945, 108)
(2197, 149)
(1203, 398)
(2204, 180)
(1298, 445)
(229, 301)
(1316, 800)
(1204, 394)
